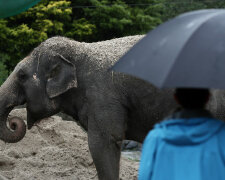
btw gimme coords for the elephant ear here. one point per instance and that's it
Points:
(61, 78)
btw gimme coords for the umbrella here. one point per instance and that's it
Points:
(13, 7)
(187, 51)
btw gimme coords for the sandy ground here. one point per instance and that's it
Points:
(56, 150)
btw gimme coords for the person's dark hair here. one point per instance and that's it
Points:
(192, 98)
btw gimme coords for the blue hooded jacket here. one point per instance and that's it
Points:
(184, 148)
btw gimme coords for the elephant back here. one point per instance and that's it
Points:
(106, 53)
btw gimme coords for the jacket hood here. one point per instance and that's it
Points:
(192, 130)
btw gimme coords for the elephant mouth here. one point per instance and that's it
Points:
(38, 112)
(31, 124)
(35, 118)
(32, 120)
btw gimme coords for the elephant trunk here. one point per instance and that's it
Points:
(9, 98)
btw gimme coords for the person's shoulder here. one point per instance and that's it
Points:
(222, 128)
(152, 138)
(219, 122)
(155, 133)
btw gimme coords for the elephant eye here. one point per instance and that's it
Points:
(22, 76)
(55, 71)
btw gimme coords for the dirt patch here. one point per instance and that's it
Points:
(55, 150)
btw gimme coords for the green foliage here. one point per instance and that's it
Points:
(3, 70)
(173, 8)
(19, 34)
(3, 73)
(111, 21)
(85, 20)
(81, 30)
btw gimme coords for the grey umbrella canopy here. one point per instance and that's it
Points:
(187, 51)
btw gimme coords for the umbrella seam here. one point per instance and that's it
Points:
(169, 72)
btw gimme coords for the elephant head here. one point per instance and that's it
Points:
(39, 80)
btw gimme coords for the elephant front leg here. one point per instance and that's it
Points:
(105, 135)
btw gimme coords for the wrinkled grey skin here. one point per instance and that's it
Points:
(65, 75)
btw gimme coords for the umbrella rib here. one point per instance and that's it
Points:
(172, 66)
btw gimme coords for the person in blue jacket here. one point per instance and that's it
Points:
(188, 145)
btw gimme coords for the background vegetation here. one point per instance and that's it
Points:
(85, 20)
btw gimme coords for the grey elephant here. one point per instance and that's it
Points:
(65, 75)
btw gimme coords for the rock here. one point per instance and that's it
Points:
(131, 145)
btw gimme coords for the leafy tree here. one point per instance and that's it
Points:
(3, 73)
(19, 34)
(121, 18)
(3, 70)
(173, 8)
(81, 30)
(110, 21)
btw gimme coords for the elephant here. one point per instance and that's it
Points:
(64, 75)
